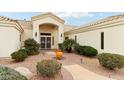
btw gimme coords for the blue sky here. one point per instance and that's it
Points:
(71, 18)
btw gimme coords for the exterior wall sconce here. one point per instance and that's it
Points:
(35, 34)
(61, 36)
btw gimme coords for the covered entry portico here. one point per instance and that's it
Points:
(48, 36)
(48, 30)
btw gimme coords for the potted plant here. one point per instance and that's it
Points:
(68, 44)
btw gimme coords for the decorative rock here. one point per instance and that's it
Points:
(24, 71)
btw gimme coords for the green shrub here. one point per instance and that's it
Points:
(111, 61)
(7, 73)
(87, 51)
(19, 55)
(68, 44)
(61, 47)
(48, 68)
(31, 46)
(22, 50)
(77, 48)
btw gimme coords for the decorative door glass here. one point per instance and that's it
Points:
(42, 42)
(45, 42)
(48, 45)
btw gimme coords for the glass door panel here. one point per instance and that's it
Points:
(48, 42)
(43, 42)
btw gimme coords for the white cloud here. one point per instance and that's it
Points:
(73, 14)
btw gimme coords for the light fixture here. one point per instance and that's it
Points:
(35, 34)
(61, 35)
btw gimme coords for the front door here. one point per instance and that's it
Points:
(45, 42)
(48, 42)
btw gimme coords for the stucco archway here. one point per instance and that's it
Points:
(48, 36)
(48, 20)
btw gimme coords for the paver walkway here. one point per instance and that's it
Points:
(80, 73)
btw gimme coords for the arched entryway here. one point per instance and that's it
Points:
(48, 36)
(48, 30)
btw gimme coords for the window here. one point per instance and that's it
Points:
(102, 40)
(52, 40)
(75, 38)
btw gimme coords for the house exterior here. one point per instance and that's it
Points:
(49, 31)
(105, 35)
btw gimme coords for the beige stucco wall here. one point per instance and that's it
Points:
(28, 30)
(9, 40)
(28, 33)
(113, 39)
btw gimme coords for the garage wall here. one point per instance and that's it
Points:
(113, 39)
(9, 41)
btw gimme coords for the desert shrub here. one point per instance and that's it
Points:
(19, 55)
(88, 51)
(68, 44)
(111, 61)
(31, 46)
(48, 68)
(7, 73)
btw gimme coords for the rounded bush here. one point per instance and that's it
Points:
(7, 73)
(23, 50)
(77, 48)
(19, 55)
(31, 46)
(111, 61)
(48, 68)
(88, 51)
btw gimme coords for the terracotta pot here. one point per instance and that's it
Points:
(69, 50)
(59, 54)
